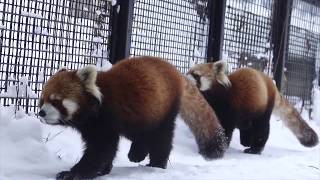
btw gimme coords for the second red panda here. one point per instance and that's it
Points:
(245, 99)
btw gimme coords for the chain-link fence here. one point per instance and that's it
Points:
(302, 64)
(39, 36)
(247, 34)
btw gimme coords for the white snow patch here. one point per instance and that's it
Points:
(2, 26)
(21, 90)
(29, 150)
(113, 2)
(98, 12)
(103, 64)
(316, 106)
(31, 14)
(97, 40)
(23, 155)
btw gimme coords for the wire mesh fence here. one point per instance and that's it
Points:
(172, 29)
(302, 64)
(247, 39)
(39, 36)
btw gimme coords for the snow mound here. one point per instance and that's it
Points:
(23, 154)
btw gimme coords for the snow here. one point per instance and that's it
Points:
(2, 26)
(113, 2)
(316, 106)
(38, 30)
(31, 150)
(103, 64)
(97, 39)
(22, 153)
(31, 14)
(21, 89)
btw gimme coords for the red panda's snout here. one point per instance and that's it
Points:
(58, 111)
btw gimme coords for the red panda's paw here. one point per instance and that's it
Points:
(70, 175)
(137, 153)
(253, 150)
(65, 175)
(215, 146)
(157, 165)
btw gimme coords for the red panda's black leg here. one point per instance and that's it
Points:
(246, 137)
(97, 160)
(229, 125)
(160, 142)
(160, 145)
(260, 134)
(138, 150)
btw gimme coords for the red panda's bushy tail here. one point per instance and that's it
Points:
(203, 122)
(293, 120)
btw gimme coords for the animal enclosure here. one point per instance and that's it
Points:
(37, 37)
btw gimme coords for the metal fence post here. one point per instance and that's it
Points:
(280, 36)
(216, 14)
(121, 27)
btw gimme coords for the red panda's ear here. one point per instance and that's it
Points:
(62, 69)
(88, 76)
(219, 70)
(219, 67)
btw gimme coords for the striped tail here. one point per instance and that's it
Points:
(203, 122)
(293, 120)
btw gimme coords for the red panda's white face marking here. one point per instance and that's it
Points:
(55, 97)
(204, 75)
(71, 107)
(50, 114)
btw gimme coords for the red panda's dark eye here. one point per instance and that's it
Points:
(58, 104)
(197, 78)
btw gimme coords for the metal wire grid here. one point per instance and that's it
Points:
(302, 64)
(172, 29)
(39, 36)
(247, 34)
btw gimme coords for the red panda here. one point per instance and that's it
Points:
(245, 99)
(138, 98)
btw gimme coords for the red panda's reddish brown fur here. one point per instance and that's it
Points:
(203, 122)
(141, 92)
(245, 99)
(138, 98)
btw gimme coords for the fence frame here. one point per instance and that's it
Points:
(281, 17)
(121, 27)
(216, 14)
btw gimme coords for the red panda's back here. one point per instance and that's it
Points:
(251, 90)
(141, 90)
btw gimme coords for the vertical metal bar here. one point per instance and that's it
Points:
(280, 36)
(216, 12)
(121, 29)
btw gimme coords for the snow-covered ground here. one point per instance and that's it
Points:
(33, 151)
